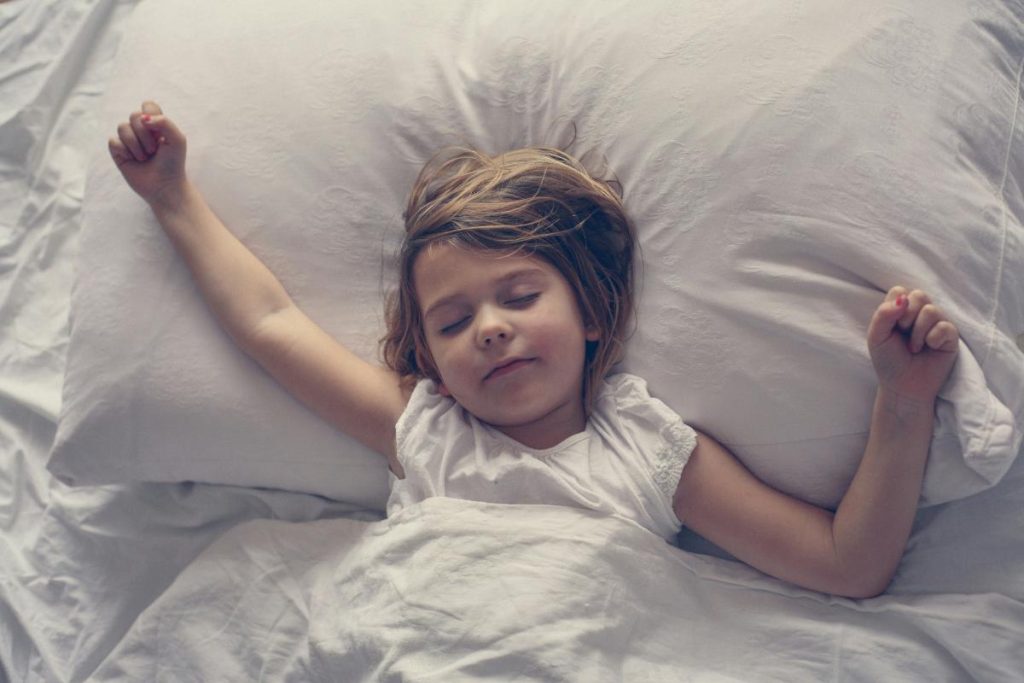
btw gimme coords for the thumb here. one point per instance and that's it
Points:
(886, 316)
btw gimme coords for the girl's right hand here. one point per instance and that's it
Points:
(150, 153)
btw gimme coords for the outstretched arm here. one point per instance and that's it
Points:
(362, 400)
(855, 551)
(150, 153)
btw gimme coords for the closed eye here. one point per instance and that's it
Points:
(455, 326)
(518, 302)
(523, 300)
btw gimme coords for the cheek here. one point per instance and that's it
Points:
(444, 374)
(446, 360)
(559, 336)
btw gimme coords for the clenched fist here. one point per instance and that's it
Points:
(150, 153)
(913, 344)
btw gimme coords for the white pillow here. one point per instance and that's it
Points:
(785, 165)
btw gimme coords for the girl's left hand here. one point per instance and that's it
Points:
(913, 345)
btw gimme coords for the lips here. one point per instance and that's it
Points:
(507, 367)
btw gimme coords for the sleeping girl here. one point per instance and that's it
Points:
(514, 302)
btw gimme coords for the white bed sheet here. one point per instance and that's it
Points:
(86, 573)
(76, 566)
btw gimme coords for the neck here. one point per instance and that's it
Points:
(550, 429)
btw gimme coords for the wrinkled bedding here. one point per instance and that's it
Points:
(454, 590)
(199, 582)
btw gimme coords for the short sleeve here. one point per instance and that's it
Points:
(426, 419)
(419, 400)
(426, 431)
(654, 441)
(678, 441)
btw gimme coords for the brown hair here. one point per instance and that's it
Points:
(540, 201)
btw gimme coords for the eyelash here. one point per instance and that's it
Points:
(519, 301)
(522, 300)
(454, 326)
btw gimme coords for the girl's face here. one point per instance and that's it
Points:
(507, 338)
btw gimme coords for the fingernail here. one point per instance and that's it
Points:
(900, 300)
(146, 117)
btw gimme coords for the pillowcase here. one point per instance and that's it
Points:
(784, 165)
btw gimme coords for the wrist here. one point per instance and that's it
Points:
(170, 197)
(903, 406)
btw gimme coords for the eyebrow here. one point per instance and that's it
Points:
(507, 277)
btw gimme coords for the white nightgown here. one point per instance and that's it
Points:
(627, 462)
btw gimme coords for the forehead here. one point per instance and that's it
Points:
(443, 270)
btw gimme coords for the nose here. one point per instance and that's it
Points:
(490, 338)
(492, 328)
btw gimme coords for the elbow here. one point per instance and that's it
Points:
(864, 592)
(268, 335)
(861, 573)
(865, 585)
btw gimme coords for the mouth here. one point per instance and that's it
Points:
(508, 367)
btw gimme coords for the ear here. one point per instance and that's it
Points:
(593, 334)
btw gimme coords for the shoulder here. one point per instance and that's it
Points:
(427, 416)
(626, 398)
(623, 391)
(654, 432)
(424, 403)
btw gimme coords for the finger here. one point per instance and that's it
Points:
(165, 129)
(118, 152)
(146, 138)
(927, 318)
(152, 108)
(131, 142)
(895, 292)
(943, 337)
(885, 318)
(918, 300)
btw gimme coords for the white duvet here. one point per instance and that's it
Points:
(454, 590)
